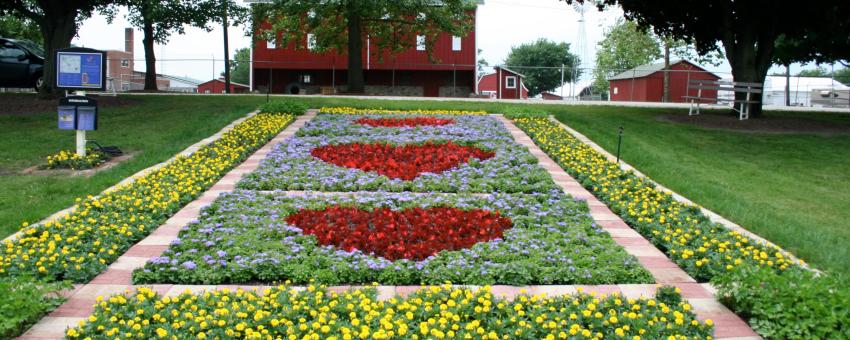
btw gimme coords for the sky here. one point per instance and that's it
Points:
(501, 25)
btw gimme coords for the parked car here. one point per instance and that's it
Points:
(21, 63)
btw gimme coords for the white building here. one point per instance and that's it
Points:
(801, 89)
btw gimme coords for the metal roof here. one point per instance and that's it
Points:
(648, 69)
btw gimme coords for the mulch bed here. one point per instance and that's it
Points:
(764, 124)
(30, 103)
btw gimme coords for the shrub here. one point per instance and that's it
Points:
(283, 106)
(23, 301)
(792, 304)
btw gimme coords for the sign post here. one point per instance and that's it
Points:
(80, 69)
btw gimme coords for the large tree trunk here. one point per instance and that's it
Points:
(58, 28)
(150, 57)
(787, 85)
(355, 59)
(749, 45)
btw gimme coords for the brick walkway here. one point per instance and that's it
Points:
(117, 278)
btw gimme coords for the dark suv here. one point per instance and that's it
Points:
(21, 63)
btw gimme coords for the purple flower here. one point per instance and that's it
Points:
(189, 265)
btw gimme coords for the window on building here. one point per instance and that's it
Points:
(311, 41)
(125, 86)
(615, 90)
(420, 42)
(510, 82)
(306, 79)
(270, 44)
(207, 91)
(125, 63)
(455, 43)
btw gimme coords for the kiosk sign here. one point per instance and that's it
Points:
(80, 69)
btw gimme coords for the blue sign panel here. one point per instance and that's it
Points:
(80, 69)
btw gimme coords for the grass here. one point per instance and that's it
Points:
(155, 129)
(790, 188)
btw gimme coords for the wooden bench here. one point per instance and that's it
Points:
(743, 108)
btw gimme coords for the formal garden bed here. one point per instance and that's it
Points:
(300, 164)
(394, 239)
(436, 312)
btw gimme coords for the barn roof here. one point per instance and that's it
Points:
(509, 70)
(648, 69)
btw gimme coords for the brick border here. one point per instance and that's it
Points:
(117, 278)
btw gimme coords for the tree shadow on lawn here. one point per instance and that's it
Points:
(822, 124)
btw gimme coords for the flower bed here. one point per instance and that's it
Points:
(404, 162)
(433, 313)
(81, 245)
(355, 111)
(244, 237)
(67, 159)
(468, 127)
(292, 165)
(404, 122)
(761, 283)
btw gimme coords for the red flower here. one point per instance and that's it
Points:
(407, 122)
(402, 162)
(408, 234)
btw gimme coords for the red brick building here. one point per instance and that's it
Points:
(217, 86)
(646, 83)
(119, 64)
(285, 69)
(502, 84)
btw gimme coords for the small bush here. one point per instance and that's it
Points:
(283, 106)
(792, 304)
(23, 301)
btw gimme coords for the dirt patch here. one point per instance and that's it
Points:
(112, 162)
(766, 124)
(30, 103)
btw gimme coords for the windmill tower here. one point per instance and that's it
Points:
(581, 47)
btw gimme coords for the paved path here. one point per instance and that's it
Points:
(117, 278)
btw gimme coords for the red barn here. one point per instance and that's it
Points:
(645, 83)
(502, 84)
(551, 96)
(452, 73)
(217, 86)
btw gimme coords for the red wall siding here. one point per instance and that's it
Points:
(215, 86)
(651, 88)
(445, 58)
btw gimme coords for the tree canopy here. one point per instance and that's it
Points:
(343, 26)
(624, 46)
(20, 28)
(544, 59)
(240, 67)
(57, 20)
(748, 30)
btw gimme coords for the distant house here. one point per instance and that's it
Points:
(645, 83)
(217, 86)
(551, 96)
(502, 84)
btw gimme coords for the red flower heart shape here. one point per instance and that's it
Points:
(413, 234)
(404, 162)
(404, 122)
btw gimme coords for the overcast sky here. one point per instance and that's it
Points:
(501, 25)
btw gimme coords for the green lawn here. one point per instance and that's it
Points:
(790, 188)
(155, 129)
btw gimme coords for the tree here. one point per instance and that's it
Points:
(842, 75)
(482, 63)
(159, 19)
(20, 28)
(240, 68)
(814, 72)
(58, 21)
(624, 46)
(748, 30)
(544, 58)
(343, 26)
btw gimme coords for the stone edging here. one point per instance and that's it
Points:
(186, 152)
(713, 216)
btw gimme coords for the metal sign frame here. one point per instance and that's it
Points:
(85, 83)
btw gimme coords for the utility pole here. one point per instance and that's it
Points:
(666, 96)
(226, 54)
